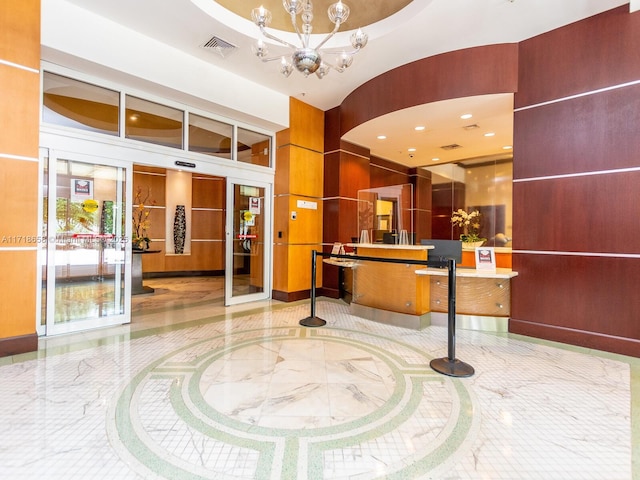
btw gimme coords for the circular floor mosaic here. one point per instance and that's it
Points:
(291, 402)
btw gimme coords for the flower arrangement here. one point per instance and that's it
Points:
(141, 223)
(470, 224)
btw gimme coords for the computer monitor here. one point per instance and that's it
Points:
(444, 249)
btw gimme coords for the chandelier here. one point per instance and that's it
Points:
(305, 58)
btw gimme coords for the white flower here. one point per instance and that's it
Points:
(469, 222)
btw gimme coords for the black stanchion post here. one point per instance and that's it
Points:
(312, 320)
(450, 365)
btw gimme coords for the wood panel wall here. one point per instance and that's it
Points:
(576, 168)
(299, 178)
(576, 177)
(462, 73)
(19, 170)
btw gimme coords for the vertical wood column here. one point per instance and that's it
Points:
(422, 200)
(298, 193)
(19, 170)
(346, 172)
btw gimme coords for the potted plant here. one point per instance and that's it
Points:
(141, 223)
(470, 224)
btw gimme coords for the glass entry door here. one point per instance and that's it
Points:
(86, 272)
(248, 242)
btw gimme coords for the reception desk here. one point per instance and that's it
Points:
(409, 296)
(391, 292)
(483, 297)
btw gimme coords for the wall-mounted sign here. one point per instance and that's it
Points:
(81, 189)
(185, 164)
(254, 205)
(90, 205)
(308, 205)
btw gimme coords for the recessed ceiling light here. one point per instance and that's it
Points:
(412, 150)
(382, 137)
(419, 128)
(507, 147)
(435, 159)
(466, 116)
(489, 134)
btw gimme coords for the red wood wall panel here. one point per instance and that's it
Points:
(384, 173)
(589, 297)
(588, 55)
(462, 73)
(584, 300)
(592, 213)
(590, 133)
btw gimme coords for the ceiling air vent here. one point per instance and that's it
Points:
(453, 146)
(219, 46)
(473, 126)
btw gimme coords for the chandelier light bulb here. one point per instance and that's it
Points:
(338, 12)
(359, 39)
(261, 16)
(285, 67)
(294, 7)
(345, 60)
(260, 50)
(323, 70)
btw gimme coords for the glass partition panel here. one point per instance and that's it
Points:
(153, 123)
(71, 103)
(254, 147)
(384, 213)
(210, 136)
(484, 186)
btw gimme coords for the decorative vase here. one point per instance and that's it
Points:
(179, 229)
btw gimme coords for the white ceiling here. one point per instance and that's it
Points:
(423, 28)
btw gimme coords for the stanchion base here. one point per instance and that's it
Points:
(454, 368)
(312, 322)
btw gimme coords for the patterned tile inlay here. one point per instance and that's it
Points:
(292, 403)
(256, 396)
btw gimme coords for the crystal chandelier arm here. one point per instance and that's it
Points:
(341, 52)
(294, 23)
(328, 37)
(330, 65)
(270, 59)
(276, 39)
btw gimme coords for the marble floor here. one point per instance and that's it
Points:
(191, 389)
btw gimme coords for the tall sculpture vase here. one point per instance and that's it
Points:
(179, 229)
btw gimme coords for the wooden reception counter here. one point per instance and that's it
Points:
(408, 296)
(483, 297)
(391, 292)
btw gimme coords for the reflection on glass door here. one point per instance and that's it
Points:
(85, 262)
(248, 247)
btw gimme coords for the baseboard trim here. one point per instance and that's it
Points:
(290, 296)
(186, 273)
(578, 338)
(17, 345)
(328, 292)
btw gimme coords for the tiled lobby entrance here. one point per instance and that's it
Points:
(194, 390)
